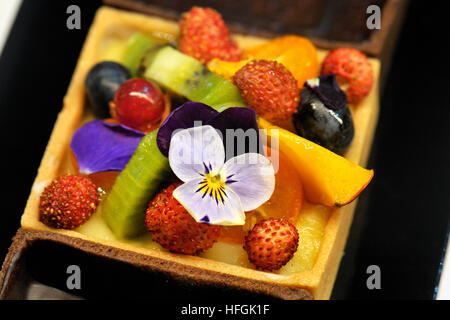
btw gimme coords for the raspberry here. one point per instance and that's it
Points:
(205, 36)
(352, 66)
(271, 243)
(68, 202)
(269, 88)
(175, 229)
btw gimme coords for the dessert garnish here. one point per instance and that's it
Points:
(174, 228)
(323, 115)
(328, 90)
(354, 68)
(269, 88)
(196, 113)
(187, 77)
(271, 243)
(137, 46)
(68, 202)
(148, 169)
(103, 146)
(215, 191)
(101, 82)
(296, 53)
(205, 36)
(124, 208)
(139, 104)
(328, 178)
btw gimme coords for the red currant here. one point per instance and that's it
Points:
(139, 104)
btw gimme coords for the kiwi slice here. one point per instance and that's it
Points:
(187, 77)
(137, 46)
(124, 208)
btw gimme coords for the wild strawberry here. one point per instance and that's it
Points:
(68, 202)
(271, 243)
(205, 36)
(352, 66)
(269, 88)
(175, 229)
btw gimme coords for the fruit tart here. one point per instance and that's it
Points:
(214, 157)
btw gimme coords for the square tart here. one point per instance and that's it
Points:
(111, 25)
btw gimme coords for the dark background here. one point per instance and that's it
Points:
(401, 222)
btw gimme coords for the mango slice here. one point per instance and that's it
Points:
(297, 54)
(328, 178)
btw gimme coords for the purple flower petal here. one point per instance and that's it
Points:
(229, 122)
(102, 146)
(328, 90)
(233, 118)
(182, 117)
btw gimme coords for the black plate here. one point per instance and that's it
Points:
(401, 221)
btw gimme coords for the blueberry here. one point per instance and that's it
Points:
(332, 129)
(101, 83)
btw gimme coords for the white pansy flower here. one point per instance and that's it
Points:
(215, 191)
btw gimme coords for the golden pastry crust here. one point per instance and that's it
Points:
(317, 282)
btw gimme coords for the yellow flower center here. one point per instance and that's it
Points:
(214, 186)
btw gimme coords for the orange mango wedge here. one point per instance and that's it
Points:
(226, 69)
(296, 53)
(328, 178)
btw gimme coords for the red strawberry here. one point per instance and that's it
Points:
(175, 229)
(269, 88)
(204, 36)
(271, 243)
(68, 202)
(352, 66)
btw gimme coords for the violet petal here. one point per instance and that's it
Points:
(182, 117)
(102, 146)
(235, 118)
(328, 90)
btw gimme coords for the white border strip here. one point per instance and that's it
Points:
(444, 283)
(8, 12)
